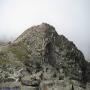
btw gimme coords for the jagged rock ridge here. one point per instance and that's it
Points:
(47, 60)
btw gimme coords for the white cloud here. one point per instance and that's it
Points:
(70, 17)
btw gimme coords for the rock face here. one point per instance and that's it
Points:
(43, 60)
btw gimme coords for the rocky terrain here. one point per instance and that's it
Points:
(40, 59)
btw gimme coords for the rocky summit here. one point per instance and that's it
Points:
(40, 59)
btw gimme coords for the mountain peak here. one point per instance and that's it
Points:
(41, 30)
(44, 60)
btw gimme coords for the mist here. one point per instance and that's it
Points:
(69, 17)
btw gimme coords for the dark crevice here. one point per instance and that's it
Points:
(49, 56)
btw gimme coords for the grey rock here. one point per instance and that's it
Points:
(33, 83)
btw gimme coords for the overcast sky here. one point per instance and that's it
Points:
(69, 17)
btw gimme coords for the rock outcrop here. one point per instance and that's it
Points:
(43, 60)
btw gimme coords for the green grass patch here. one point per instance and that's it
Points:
(20, 50)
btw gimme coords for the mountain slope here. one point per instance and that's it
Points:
(41, 58)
